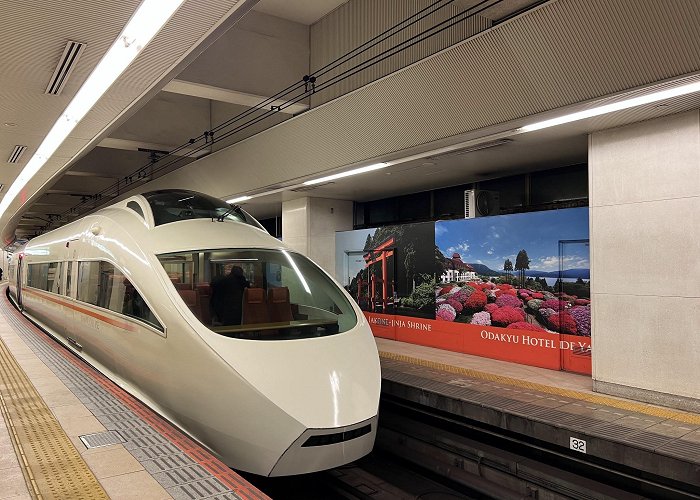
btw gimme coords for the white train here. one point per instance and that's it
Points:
(191, 306)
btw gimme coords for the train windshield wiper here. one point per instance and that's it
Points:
(231, 209)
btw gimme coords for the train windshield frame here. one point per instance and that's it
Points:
(259, 294)
(174, 205)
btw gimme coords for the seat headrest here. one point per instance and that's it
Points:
(255, 295)
(280, 294)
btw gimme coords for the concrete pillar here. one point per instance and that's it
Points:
(644, 183)
(309, 226)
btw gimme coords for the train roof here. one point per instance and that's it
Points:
(171, 220)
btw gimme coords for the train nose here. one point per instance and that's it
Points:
(322, 382)
(320, 449)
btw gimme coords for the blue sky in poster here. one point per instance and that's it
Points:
(492, 240)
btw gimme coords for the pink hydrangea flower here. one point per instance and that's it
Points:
(489, 308)
(507, 300)
(582, 316)
(555, 304)
(481, 318)
(455, 304)
(545, 312)
(445, 312)
(504, 316)
(562, 322)
(476, 301)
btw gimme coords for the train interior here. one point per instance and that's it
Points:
(259, 294)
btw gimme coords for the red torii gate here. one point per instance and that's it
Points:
(380, 254)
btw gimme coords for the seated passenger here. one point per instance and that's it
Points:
(227, 296)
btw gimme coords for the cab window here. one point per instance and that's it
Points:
(259, 294)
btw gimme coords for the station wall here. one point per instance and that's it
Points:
(645, 231)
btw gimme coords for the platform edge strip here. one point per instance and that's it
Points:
(643, 408)
(32, 487)
(74, 477)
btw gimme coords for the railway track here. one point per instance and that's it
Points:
(507, 465)
(428, 455)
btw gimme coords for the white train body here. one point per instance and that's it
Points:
(302, 401)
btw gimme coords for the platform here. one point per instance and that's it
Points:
(68, 432)
(552, 407)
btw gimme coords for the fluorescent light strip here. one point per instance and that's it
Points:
(148, 19)
(617, 106)
(356, 171)
(239, 199)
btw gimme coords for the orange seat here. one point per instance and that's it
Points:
(254, 306)
(278, 304)
(204, 292)
(191, 299)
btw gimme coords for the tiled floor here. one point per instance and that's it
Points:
(12, 483)
(113, 466)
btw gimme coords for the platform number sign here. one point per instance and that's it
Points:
(577, 444)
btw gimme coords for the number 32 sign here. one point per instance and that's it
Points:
(577, 444)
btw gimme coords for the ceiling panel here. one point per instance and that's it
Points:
(38, 36)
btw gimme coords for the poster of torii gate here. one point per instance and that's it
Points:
(386, 268)
(381, 291)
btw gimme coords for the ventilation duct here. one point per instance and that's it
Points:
(65, 67)
(16, 154)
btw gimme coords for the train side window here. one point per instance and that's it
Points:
(53, 281)
(136, 208)
(37, 275)
(88, 282)
(103, 285)
(69, 266)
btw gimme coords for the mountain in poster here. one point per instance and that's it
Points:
(484, 270)
(567, 273)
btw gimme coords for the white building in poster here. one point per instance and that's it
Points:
(456, 270)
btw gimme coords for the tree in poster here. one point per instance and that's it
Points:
(439, 262)
(522, 262)
(409, 263)
(508, 267)
(368, 244)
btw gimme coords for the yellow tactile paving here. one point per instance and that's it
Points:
(52, 466)
(681, 416)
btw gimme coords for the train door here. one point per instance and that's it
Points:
(69, 283)
(574, 285)
(19, 282)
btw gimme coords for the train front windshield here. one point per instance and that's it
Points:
(259, 294)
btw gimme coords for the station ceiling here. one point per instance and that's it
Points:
(213, 60)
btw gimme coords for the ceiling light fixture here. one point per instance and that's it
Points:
(148, 19)
(239, 199)
(616, 106)
(361, 170)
